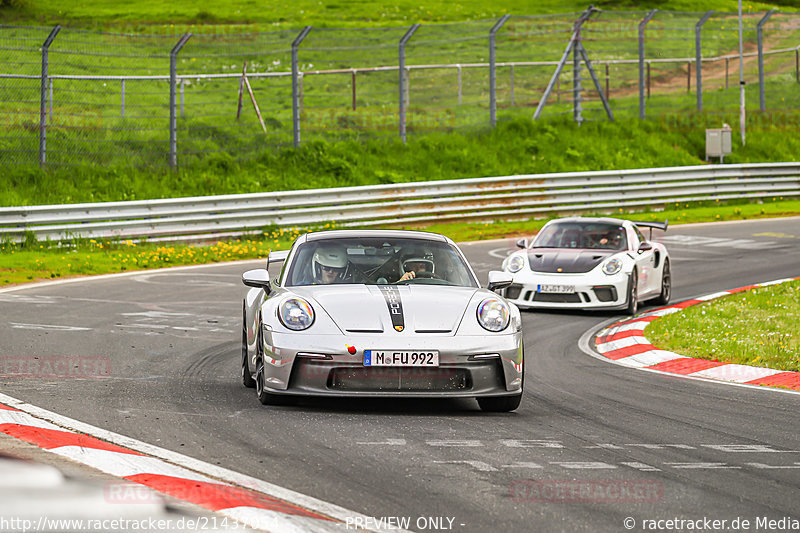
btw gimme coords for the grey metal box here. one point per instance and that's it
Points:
(718, 142)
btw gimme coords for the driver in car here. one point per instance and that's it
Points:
(329, 264)
(414, 266)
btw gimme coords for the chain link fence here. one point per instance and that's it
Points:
(73, 97)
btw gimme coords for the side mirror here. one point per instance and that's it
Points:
(258, 278)
(522, 243)
(499, 280)
(644, 247)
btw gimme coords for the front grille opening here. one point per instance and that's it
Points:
(512, 291)
(605, 293)
(366, 379)
(557, 298)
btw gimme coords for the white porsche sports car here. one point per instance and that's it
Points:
(380, 313)
(590, 263)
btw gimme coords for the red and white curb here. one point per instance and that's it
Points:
(250, 501)
(624, 343)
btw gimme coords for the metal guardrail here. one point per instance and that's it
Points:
(402, 204)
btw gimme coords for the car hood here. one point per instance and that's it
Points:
(566, 260)
(366, 308)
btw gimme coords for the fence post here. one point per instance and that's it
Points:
(402, 73)
(698, 28)
(727, 60)
(122, 98)
(458, 67)
(573, 46)
(511, 82)
(760, 32)
(295, 86)
(642, 25)
(43, 107)
(493, 70)
(354, 89)
(577, 97)
(173, 112)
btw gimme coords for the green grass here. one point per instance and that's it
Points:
(332, 13)
(760, 327)
(33, 261)
(518, 146)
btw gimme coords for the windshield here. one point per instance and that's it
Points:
(378, 261)
(586, 235)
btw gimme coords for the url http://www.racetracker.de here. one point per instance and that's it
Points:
(46, 524)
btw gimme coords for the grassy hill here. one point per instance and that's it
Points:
(518, 145)
(272, 14)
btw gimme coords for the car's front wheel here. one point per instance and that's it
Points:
(247, 377)
(633, 293)
(666, 285)
(268, 398)
(500, 404)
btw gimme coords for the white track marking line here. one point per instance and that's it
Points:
(653, 357)
(123, 465)
(737, 373)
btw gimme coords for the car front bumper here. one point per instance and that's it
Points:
(591, 291)
(469, 366)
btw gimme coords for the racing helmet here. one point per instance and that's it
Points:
(419, 263)
(332, 259)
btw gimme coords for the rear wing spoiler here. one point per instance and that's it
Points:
(657, 225)
(652, 225)
(277, 257)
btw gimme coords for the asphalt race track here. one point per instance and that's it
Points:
(603, 443)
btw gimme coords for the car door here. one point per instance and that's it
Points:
(645, 264)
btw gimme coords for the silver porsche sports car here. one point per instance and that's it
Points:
(590, 263)
(380, 313)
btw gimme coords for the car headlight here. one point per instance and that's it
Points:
(612, 267)
(296, 314)
(515, 263)
(493, 315)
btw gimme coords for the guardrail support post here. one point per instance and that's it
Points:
(760, 32)
(402, 73)
(44, 87)
(642, 25)
(493, 70)
(173, 112)
(296, 86)
(698, 28)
